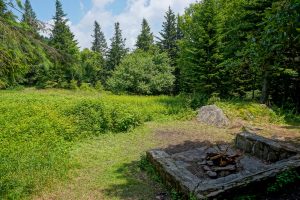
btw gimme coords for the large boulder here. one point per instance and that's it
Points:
(213, 115)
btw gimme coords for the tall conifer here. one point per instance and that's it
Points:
(63, 39)
(29, 16)
(99, 43)
(117, 50)
(168, 35)
(145, 39)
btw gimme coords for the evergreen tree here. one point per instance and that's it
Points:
(199, 56)
(168, 35)
(117, 50)
(179, 36)
(3, 8)
(29, 16)
(99, 43)
(4, 12)
(145, 39)
(63, 39)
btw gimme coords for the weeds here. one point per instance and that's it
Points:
(283, 179)
(37, 129)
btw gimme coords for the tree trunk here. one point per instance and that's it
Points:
(264, 91)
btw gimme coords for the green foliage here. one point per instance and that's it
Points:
(33, 151)
(99, 43)
(37, 128)
(86, 87)
(199, 56)
(145, 39)
(29, 17)
(168, 35)
(92, 64)
(250, 111)
(283, 179)
(73, 85)
(146, 166)
(236, 47)
(117, 50)
(62, 39)
(99, 87)
(21, 55)
(143, 73)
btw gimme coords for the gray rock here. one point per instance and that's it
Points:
(210, 163)
(212, 174)
(206, 168)
(212, 115)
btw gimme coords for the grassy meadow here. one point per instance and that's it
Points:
(61, 144)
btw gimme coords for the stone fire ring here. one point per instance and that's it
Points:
(263, 160)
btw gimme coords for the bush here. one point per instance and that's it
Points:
(33, 143)
(143, 73)
(99, 87)
(86, 87)
(73, 85)
(3, 84)
(95, 117)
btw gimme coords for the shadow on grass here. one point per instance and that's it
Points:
(142, 183)
(137, 184)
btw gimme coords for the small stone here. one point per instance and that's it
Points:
(202, 163)
(210, 163)
(206, 168)
(224, 173)
(211, 174)
(226, 168)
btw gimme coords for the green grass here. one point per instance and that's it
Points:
(251, 111)
(38, 128)
(60, 144)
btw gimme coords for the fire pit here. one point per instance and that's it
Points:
(211, 171)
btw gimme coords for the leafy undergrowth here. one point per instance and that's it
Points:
(46, 135)
(37, 129)
(250, 111)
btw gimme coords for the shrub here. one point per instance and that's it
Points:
(99, 87)
(143, 73)
(73, 85)
(3, 84)
(86, 87)
(95, 117)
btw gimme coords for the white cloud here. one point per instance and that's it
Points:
(130, 18)
(81, 6)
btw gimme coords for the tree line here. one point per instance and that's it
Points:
(219, 48)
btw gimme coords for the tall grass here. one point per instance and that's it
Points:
(37, 129)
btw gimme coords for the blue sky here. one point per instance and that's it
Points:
(83, 13)
(75, 9)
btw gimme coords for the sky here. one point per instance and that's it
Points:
(83, 13)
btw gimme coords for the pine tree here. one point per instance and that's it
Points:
(99, 43)
(168, 35)
(63, 39)
(199, 57)
(29, 16)
(145, 39)
(179, 36)
(4, 12)
(3, 8)
(117, 50)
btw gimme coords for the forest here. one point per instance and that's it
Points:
(62, 105)
(217, 48)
